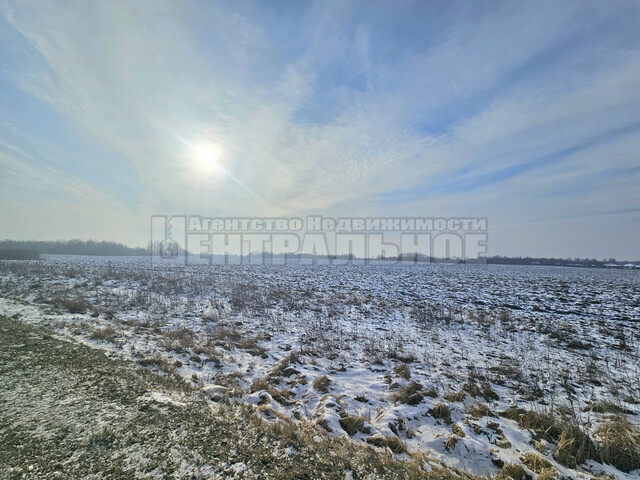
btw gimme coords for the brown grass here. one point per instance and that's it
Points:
(107, 334)
(442, 412)
(322, 383)
(457, 429)
(542, 424)
(450, 443)
(409, 394)
(619, 443)
(479, 410)
(535, 462)
(403, 371)
(574, 447)
(353, 424)
(511, 471)
(393, 443)
(548, 474)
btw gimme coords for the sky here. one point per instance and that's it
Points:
(526, 113)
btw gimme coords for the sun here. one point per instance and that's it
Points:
(207, 157)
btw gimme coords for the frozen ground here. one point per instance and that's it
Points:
(475, 366)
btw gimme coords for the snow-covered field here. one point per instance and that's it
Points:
(416, 358)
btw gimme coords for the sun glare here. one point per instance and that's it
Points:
(207, 158)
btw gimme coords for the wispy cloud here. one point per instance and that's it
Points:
(515, 112)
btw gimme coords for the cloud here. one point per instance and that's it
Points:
(341, 107)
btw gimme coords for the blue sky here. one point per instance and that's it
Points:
(527, 113)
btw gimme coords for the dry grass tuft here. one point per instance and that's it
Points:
(107, 334)
(479, 410)
(353, 424)
(511, 471)
(322, 384)
(393, 443)
(535, 462)
(409, 395)
(442, 412)
(542, 424)
(619, 443)
(402, 371)
(457, 429)
(548, 474)
(574, 447)
(450, 443)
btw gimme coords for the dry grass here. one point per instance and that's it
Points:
(479, 410)
(619, 443)
(409, 394)
(393, 443)
(484, 390)
(548, 474)
(535, 462)
(402, 371)
(574, 447)
(606, 407)
(107, 334)
(353, 424)
(442, 412)
(322, 384)
(450, 443)
(511, 471)
(542, 424)
(457, 429)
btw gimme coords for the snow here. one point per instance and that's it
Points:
(540, 337)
